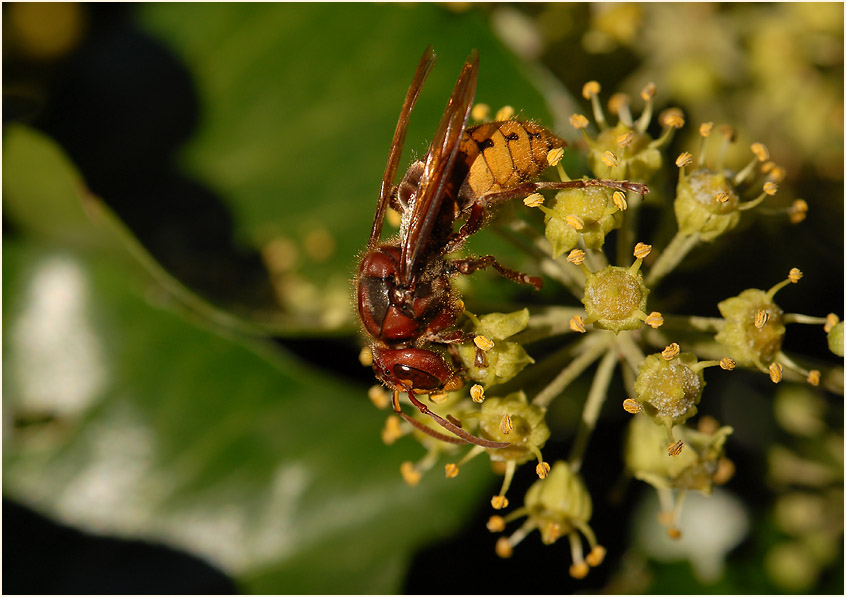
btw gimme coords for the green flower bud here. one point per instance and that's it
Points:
(615, 299)
(559, 504)
(639, 160)
(695, 468)
(835, 339)
(597, 216)
(706, 203)
(749, 344)
(512, 419)
(505, 359)
(669, 390)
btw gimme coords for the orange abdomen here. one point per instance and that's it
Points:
(501, 155)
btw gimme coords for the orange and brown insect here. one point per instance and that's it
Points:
(406, 302)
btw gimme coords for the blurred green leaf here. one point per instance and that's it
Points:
(123, 417)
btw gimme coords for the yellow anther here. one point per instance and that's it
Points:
(674, 533)
(410, 474)
(451, 470)
(365, 357)
(708, 425)
(775, 372)
(483, 343)
(576, 257)
(770, 188)
(617, 101)
(506, 425)
(392, 431)
(798, 211)
(477, 393)
(554, 156)
(814, 377)
(496, 524)
(620, 200)
(675, 448)
(533, 200)
(684, 159)
(728, 132)
(379, 397)
(648, 92)
(632, 406)
(672, 117)
(761, 318)
(641, 250)
(609, 159)
(722, 197)
(498, 502)
(724, 473)
(480, 112)
(503, 547)
(760, 151)
(705, 128)
(542, 469)
(577, 324)
(777, 174)
(831, 320)
(504, 113)
(794, 275)
(438, 398)
(767, 166)
(596, 556)
(551, 532)
(578, 121)
(575, 222)
(625, 139)
(728, 363)
(671, 352)
(590, 89)
(579, 570)
(654, 320)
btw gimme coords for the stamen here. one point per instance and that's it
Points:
(451, 470)
(577, 324)
(480, 112)
(795, 275)
(365, 357)
(728, 363)
(483, 343)
(506, 425)
(496, 524)
(609, 159)
(392, 431)
(590, 89)
(578, 121)
(641, 250)
(625, 139)
(410, 474)
(831, 320)
(438, 397)
(477, 393)
(654, 320)
(632, 406)
(676, 448)
(671, 351)
(760, 151)
(770, 188)
(498, 502)
(775, 372)
(596, 556)
(379, 397)
(620, 200)
(646, 94)
(777, 174)
(575, 222)
(672, 117)
(554, 156)
(533, 200)
(619, 104)
(798, 211)
(504, 113)
(814, 377)
(722, 197)
(504, 549)
(576, 257)
(684, 159)
(761, 318)
(705, 129)
(542, 469)
(724, 473)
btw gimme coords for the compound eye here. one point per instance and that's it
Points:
(420, 380)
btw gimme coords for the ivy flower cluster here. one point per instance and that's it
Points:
(664, 358)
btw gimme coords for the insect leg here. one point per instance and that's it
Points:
(471, 264)
(468, 437)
